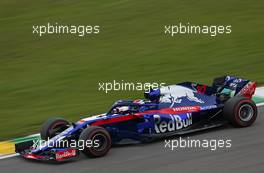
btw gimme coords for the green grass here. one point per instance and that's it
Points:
(58, 74)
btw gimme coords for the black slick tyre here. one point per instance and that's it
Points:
(99, 139)
(240, 111)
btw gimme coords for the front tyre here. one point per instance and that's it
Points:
(100, 140)
(240, 111)
(52, 127)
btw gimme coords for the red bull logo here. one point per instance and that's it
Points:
(174, 94)
(61, 155)
(175, 123)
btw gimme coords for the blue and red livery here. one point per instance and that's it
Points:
(170, 110)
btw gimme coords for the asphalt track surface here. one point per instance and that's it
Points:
(245, 156)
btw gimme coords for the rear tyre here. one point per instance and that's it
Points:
(240, 111)
(52, 127)
(99, 139)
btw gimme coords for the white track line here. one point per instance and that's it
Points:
(259, 92)
(8, 156)
(260, 104)
(34, 135)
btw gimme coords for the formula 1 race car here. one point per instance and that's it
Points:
(170, 110)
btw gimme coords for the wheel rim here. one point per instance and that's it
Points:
(246, 112)
(102, 140)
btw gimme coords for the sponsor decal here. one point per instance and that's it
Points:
(201, 89)
(175, 93)
(175, 122)
(248, 90)
(187, 109)
(176, 110)
(60, 155)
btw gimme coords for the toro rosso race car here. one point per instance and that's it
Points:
(170, 110)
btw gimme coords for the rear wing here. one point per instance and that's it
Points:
(239, 86)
